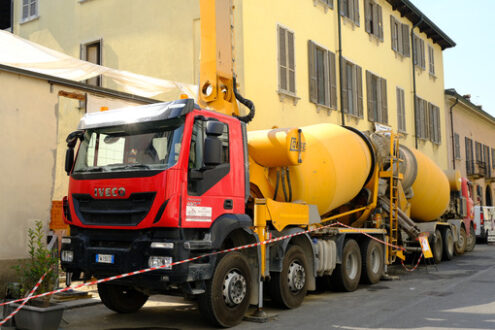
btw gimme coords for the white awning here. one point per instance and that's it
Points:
(24, 54)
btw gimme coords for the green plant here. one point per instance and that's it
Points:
(41, 261)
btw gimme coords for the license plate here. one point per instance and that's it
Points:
(105, 258)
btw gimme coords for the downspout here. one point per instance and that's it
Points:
(341, 92)
(414, 82)
(452, 130)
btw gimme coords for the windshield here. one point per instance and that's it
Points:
(130, 148)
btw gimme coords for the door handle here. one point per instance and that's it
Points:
(228, 204)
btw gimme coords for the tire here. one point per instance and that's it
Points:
(227, 295)
(372, 262)
(437, 246)
(471, 240)
(121, 298)
(448, 244)
(460, 245)
(289, 287)
(346, 275)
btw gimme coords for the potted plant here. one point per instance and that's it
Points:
(38, 313)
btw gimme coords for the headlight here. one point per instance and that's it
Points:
(66, 240)
(162, 245)
(67, 256)
(157, 261)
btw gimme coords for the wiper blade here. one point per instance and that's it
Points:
(91, 169)
(130, 166)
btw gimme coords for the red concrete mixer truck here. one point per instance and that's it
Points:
(160, 183)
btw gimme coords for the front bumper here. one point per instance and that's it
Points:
(131, 251)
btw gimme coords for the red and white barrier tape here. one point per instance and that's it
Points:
(25, 300)
(415, 267)
(373, 237)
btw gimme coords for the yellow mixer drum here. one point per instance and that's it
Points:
(431, 190)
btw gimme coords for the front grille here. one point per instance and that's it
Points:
(113, 212)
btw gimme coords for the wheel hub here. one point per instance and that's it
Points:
(234, 288)
(351, 266)
(296, 276)
(375, 261)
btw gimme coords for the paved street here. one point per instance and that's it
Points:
(457, 294)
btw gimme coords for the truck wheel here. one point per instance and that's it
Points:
(346, 275)
(226, 299)
(471, 240)
(121, 298)
(289, 287)
(448, 244)
(437, 246)
(372, 267)
(460, 245)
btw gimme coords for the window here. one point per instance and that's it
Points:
(434, 121)
(286, 65)
(431, 59)
(469, 149)
(421, 118)
(376, 93)
(91, 52)
(400, 36)
(457, 146)
(373, 19)
(322, 77)
(401, 110)
(486, 159)
(352, 89)
(29, 9)
(419, 51)
(350, 9)
(328, 3)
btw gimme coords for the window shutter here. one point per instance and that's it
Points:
(359, 90)
(355, 11)
(290, 49)
(439, 127)
(282, 59)
(326, 74)
(431, 122)
(380, 22)
(383, 96)
(423, 64)
(399, 112)
(426, 132)
(393, 33)
(342, 4)
(415, 49)
(405, 43)
(416, 117)
(345, 101)
(369, 97)
(367, 16)
(313, 96)
(374, 17)
(333, 80)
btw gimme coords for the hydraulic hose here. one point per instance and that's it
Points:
(248, 103)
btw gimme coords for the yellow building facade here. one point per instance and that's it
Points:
(288, 55)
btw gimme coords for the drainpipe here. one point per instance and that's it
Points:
(341, 92)
(452, 130)
(414, 82)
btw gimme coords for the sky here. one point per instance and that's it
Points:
(469, 66)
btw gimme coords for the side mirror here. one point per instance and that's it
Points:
(69, 160)
(212, 151)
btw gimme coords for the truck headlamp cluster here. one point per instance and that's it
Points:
(66, 240)
(67, 256)
(162, 245)
(158, 261)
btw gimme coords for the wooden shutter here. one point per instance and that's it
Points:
(426, 132)
(345, 100)
(431, 59)
(417, 118)
(415, 49)
(393, 34)
(422, 56)
(400, 115)
(405, 42)
(383, 97)
(326, 74)
(438, 126)
(355, 11)
(333, 80)
(359, 90)
(369, 97)
(431, 122)
(367, 16)
(313, 95)
(380, 22)
(282, 59)
(374, 18)
(291, 71)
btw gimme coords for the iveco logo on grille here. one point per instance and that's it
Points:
(110, 192)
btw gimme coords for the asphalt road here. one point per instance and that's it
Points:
(458, 294)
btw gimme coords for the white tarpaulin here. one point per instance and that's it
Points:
(24, 54)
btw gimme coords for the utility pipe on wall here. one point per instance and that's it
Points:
(414, 82)
(452, 130)
(341, 66)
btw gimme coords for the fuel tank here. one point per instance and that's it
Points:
(337, 163)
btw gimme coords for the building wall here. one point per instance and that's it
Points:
(310, 20)
(473, 124)
(166, 45)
